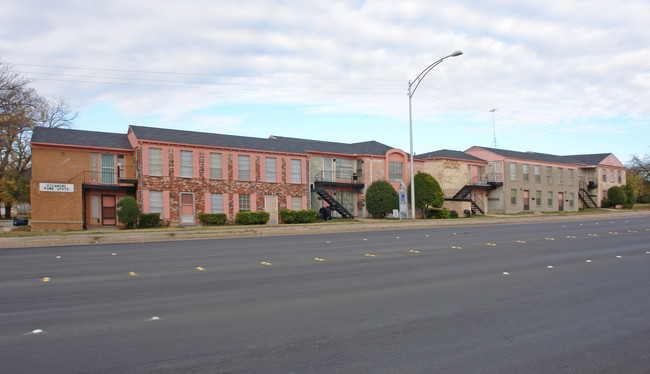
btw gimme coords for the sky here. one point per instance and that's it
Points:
(554, 76)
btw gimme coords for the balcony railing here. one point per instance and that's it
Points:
(343, 174)
(120, 175)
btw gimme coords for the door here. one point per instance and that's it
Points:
(187, 207)
(271, 207)
(108, 210)
(526, 200)
(560, 201)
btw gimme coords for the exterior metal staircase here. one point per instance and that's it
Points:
(587, 199)
(333, 203)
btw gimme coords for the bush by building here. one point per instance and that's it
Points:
(297, 216)
(128, 212)
(381, 199)
(252, 218)
(213, 218)
(149, 220)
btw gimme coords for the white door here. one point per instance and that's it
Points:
(271, 207)
(187, 207)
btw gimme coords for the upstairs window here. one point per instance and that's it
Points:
(244, 167)
(395, 171)
(549, 175)
(271, 169)
(187, 164)
(560, 175)
(513, 171)
(538, 177)
(216, 168)
(296, 174)
(108, 168)
(155, 162)
(524, 168)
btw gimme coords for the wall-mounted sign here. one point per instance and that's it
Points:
(451, 164)
(56, 187)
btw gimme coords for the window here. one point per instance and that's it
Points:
(549, 197)
(538, 198)
(611, 176)
(569, 177)
(296, 203)
(216, 166)
(244, 203)
(216, 203)
(525, 172)
(120, 166)
(344, 168)
(244, 167)
(395, 171)
(108, 168)
(604, 175)
(570, 198)
(156, 202)
(513, 171)
(620, 177)
(94, 172)
(296, 175)
(271, 169)
(560, 174)
(538, 178)
(187, 164)
(155, 162)
(94, 208)
(549, 175)
(513, 195)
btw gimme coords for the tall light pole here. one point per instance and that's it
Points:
(413, 85)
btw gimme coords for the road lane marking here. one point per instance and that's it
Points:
(47, 279)
(319, 259)
(413, 251)
(266, 263)
(199, 268)
(132, 273)
(369, 255)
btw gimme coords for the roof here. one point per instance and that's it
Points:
(593, 159)
(533, 156)
(447, 153)
(363, 148)
(274, 143)
(81, 138)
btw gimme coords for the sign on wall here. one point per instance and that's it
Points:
(56, 187)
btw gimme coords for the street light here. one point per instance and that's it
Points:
(413, 85)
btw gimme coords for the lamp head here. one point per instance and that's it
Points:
(456, 53)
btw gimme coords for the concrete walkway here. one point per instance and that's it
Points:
(113, 235)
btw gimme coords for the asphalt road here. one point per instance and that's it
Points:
(565, 297)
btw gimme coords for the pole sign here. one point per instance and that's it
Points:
(56, 187)
(403, 205)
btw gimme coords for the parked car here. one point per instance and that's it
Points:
(20, 221)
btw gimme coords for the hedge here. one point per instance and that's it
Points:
(297, 216)
(252, 218)
(440, 213)
(148, 220)
(213, 218)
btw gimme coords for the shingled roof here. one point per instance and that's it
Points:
(58, 136)
(274, 143)
(593, 159)
(447, 153)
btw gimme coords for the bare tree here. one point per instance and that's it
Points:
(21, 110)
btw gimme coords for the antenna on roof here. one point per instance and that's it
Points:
(494, 131)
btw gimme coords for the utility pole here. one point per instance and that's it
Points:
(494, 131)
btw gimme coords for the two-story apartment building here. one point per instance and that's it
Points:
(78, 177)
(179, 174)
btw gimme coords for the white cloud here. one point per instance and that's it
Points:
(539, 62)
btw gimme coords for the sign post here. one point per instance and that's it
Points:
(403, 205)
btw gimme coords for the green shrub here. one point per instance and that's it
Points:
(297, 216)
(453, 214)
(381, 199)
(645, 199)
(148, 220)
(440, 213)
(213, 218)
(128, 212)
(605, 203)
(616, 196)
(252, 218)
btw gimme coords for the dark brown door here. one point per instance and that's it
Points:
(108, 210)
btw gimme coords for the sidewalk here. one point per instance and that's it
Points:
(103, 236)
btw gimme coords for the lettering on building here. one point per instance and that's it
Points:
(56, 187)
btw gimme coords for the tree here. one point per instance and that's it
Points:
(381, 198)
(22, 109)
(616, 196)
(128, 211)
(427, 192)
(638, 174)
